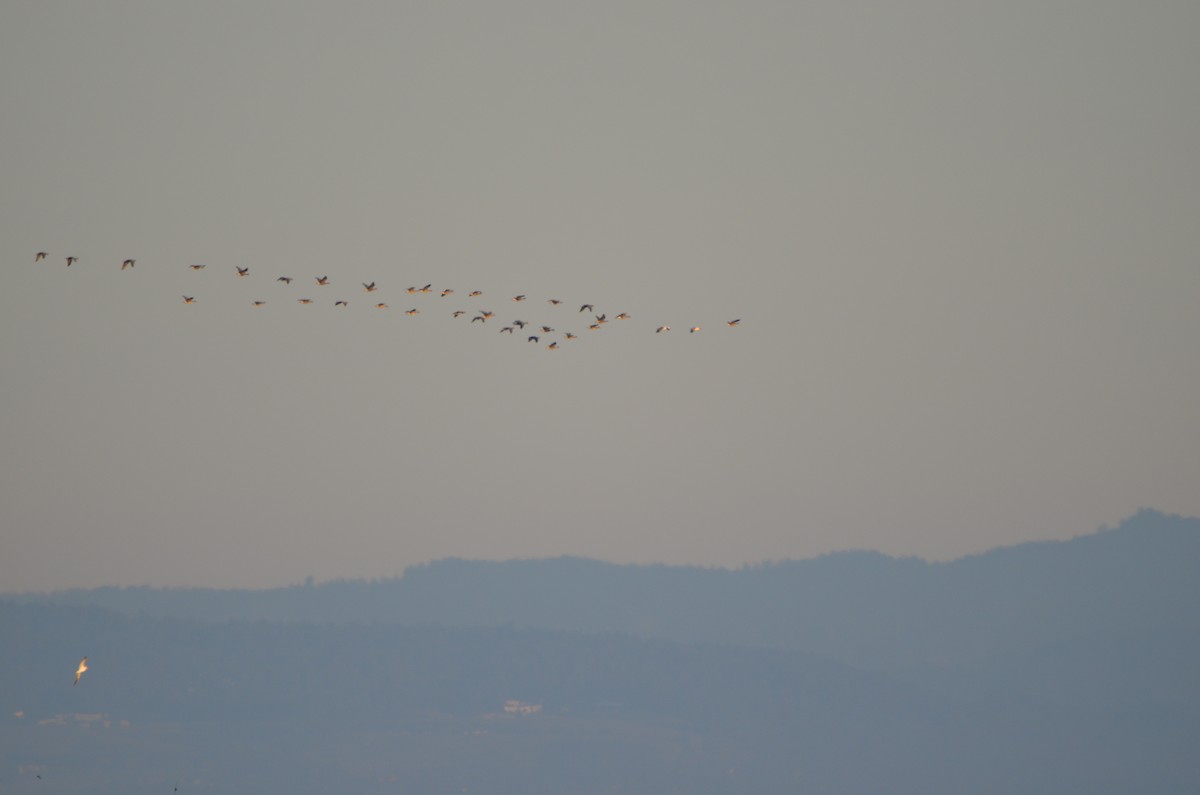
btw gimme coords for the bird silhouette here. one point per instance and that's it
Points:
(41, 255)
(79, 672)
(189, 299)
(370, 288)
(285, 279)
(242, 271)
(71, 261)
(197, 267)
(129, 263)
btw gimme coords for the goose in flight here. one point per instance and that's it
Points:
(553, 346)
(546, 329)
(459, 312)
(79, 672)
(486, 315)
(197, 267)
(370, 288)
(570, 336)
(518, 298)
(260, 303)
(661, 329)
(733, 323)
(475, 293)
(532, 338)
(189, 299)
(41, 255)
(622, 316)
(588, 307)
(341, 303)
(508, 329)
(426, 289)
(519, 323)
(305, 301)
(553, 301)
(447, 292)
(71, 261)
(285, 279)
(412, 312)
(129, 263)
(322, 281)
(381, 305)
(480, 318)
(242, 271)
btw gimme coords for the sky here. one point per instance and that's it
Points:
(961, 239)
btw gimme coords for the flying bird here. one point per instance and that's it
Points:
(381, 306)
(474, 293)
(553, 346)
(570, 336)
(412, 312)
(518, 298)
(622, 316)
(189, 299)
(197, 267)
(370, 288)
(305, 301)
(694, 329)
(340, 303)
(41, 255)
(553, 301)
(323, 281)
(259, 303)
(129, 263)
(242, 271)
(546, 329)
(587, 307)
(519, 323)
(533, 338)
(509, 329)
(459, 312)
(447, 292)
(661, 329)
(285, 279)
(82, 667)
(71, 261)
(733, 323)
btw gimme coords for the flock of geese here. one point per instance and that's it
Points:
(538, 332)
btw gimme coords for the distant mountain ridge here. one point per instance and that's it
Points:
(865, 608)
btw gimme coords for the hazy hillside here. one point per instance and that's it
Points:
(307, 708)
(1045, 667)
(863, 608)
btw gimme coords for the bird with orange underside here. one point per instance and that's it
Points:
(41, 255)
(189, 299)
(242, 271)
(129, 263)
(80, 670)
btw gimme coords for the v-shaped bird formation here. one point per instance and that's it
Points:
(585, 316)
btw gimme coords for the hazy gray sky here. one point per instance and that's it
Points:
(962, 238)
